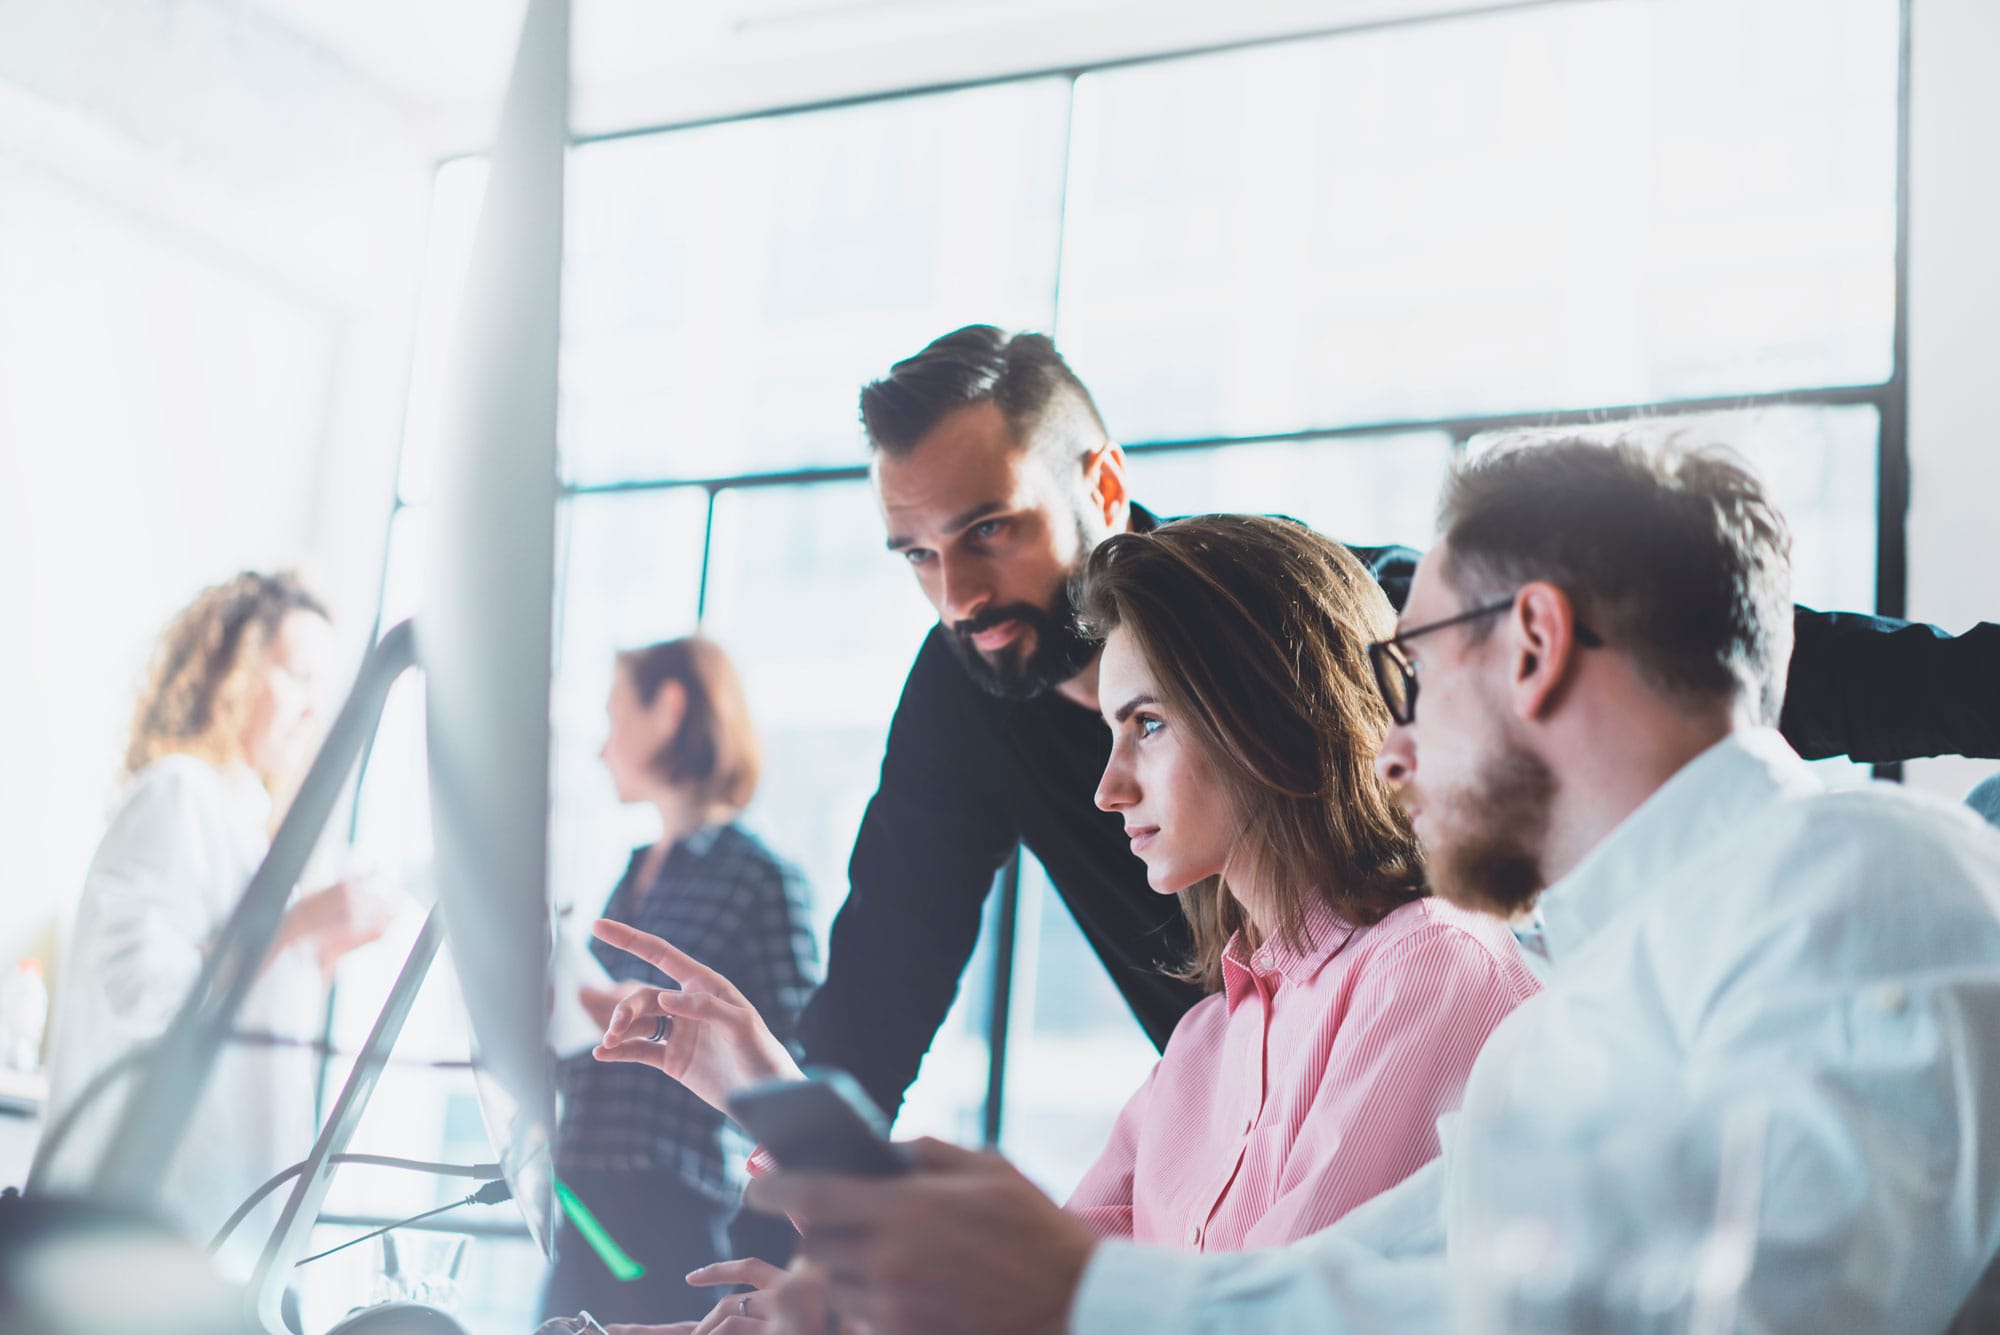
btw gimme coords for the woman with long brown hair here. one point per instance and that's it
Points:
(227, 721)
(1345, 1005)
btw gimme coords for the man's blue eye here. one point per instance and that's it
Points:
(990, 528)
(916, 556)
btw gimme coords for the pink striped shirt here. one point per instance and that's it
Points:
(1310, 1083)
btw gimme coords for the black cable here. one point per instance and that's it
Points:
(59, 1130)
(264, 1038)
(482, 1171)
(492, 1193)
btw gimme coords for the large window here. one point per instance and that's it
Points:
(1298, 277)
(729, 287)
(1572, 206)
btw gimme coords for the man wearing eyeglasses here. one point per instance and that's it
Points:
(1760, 1090)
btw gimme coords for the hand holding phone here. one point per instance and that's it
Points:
(821, 1124)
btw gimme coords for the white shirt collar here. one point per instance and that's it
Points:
(1711, 795)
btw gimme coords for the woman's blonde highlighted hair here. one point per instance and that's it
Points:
(196, 694)
(1256, 632)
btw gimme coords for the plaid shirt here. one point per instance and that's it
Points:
(727, 900)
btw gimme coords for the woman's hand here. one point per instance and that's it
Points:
(785, 1301)
(336, 920)
(601, 1002)
(739, 1313)
(802, 1305)
(715, 1042)
(779, 1295)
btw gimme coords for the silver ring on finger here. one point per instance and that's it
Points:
(743, 1305)
(662, 1026)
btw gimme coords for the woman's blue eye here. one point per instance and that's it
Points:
(1149, 725)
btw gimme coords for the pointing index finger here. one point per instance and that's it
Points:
(676, 964)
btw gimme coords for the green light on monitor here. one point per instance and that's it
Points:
(608, 1251)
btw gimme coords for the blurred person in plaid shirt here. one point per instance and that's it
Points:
(659, 1168)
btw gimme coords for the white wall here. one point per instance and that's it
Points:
(201, 369)
(1954, 330)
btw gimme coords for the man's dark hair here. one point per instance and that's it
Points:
(1671, 552)
(1041, 398)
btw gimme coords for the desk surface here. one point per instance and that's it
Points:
(21, 1100)
(22, 1094)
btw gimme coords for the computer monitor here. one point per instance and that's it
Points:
(484, 631)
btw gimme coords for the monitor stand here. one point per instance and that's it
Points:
(170, 1077)
(288, 1240)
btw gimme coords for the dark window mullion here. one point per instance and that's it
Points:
(1001, 1003)
(1881, 397)
(1892, 443)
(707, 546)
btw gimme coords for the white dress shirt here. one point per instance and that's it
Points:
(1744, 941)
(181, 848)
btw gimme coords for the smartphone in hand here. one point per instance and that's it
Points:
(821, 1124)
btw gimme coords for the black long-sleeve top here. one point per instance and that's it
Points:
(966, 775)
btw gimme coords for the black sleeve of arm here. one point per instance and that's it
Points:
(1392, 567)
(1878, 689)
(1872, 688)
(939, 826)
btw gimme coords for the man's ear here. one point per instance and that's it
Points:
(1104, 481)
(1543, 629)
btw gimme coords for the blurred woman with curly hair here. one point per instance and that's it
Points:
(227, 721)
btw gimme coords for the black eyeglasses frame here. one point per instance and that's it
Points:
(1387, 656)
